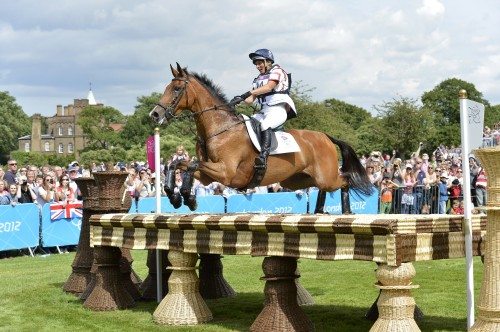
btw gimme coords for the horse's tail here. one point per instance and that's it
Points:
(352, 170)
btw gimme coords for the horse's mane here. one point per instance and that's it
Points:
(214, 89)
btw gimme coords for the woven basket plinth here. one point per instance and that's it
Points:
(395, 304)
(148, 286)
(281, 311)
(91, 283)
(303, 296)
(488, 316)
(183, 304)
(111, 187)
(212, 282)
(109, 292)
(80, 275)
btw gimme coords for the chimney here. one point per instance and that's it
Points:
(36, 132)
(70, 110)
(59, 110)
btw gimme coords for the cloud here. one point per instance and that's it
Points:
(361, 54)
(431, 8)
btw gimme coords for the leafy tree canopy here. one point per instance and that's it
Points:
(14, 123)
(96, 125)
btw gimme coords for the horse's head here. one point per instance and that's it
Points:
(174, 99)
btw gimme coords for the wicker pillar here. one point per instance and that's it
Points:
(281, 311)
(108, 293)
(212, 282)
(396, 306)
(183, 304)
(80, 277)
(488, 318)
(303, 296)
(148, 287)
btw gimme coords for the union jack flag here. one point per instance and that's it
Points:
(65, 210)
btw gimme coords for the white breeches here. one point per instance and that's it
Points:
(271, 116)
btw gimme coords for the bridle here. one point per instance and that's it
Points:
(169, 110)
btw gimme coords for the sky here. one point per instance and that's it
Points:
(361, 52)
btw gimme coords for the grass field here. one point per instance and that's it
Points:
(31, 296)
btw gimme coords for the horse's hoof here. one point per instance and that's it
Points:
(176, 200)
(191, 202)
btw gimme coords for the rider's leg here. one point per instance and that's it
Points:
(265, 148)
(269, 117)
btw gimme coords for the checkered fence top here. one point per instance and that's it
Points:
(390, 239)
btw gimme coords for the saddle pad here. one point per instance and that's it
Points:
(286, 142)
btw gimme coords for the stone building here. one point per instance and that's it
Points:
(63, 135)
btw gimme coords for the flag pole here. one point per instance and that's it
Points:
(158, 210)
(469, 265)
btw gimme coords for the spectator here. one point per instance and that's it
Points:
(25, 192)
(443, 192)
(480, 184)
(2, 173)
(11, 175)
(180, 154)
(143, 186)
(397, 174)
(4, 194)
(201, 190)
(64, 193)
(419, 185)
(455, 190)
(386, 188)
(73, 174)
(457, 207)
(30, 178)
(46, 191)
(13, 194)
(407, 200)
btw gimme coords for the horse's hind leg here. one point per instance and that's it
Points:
(320, 202)
(187, 184)
(346, 202)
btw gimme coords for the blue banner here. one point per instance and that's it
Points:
(60, 232)
(360, 204)
(206, 204)
(19, 226)
(287, 202)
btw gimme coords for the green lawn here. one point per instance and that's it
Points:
(31, 296)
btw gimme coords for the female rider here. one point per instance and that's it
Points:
(271, 91)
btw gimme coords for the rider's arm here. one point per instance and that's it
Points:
(261, 90)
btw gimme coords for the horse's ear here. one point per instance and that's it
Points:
(179, 68)
(174, 72)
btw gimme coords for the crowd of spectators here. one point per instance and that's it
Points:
(424, 183)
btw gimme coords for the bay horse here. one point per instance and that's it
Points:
(226, 155)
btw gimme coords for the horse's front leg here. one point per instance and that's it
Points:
(187, 185)
(174, 197)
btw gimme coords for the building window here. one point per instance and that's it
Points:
(47, 146)
(70, 130)
(61, 148)
(27, 147)
(60, 130)
(70, 147)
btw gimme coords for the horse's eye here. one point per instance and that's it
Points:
(177, 89)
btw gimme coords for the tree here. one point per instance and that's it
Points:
(443, 102)
(96, 121)
(352, 115)
(492, 115)
(14, 123)
(403, 124)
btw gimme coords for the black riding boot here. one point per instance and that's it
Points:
(265, 148)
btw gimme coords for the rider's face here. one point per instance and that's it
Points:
(260, 65)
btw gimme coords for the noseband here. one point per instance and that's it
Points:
(169, 110)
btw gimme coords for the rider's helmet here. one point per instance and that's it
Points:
(262, 54)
